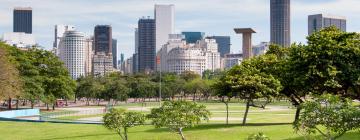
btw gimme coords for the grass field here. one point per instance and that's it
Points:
(274, 121)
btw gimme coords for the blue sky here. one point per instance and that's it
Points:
(214, 17)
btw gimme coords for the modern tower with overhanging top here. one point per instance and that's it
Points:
(280, 22)
(22, 20)
(164, 19)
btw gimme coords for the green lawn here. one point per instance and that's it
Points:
(57, 131)
(274, 121)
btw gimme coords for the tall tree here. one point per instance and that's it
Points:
(250, 83)
(10, 82)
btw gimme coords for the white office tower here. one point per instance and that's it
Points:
(164, 20)
(260, 49)
(72, 46)
(210, 48)
(177, 56)
(88, 52)
(19, 39)
(175, 41)
(59, 32)
(186, 58)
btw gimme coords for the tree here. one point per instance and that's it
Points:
(224, 92)
(88, 87)
(189, 75)
(250, 82)
(329, 115)
(120, 121)
(10, 82)
(177, 115)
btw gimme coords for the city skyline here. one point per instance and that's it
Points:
(218, 18)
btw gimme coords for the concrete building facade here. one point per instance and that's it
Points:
(319, 21)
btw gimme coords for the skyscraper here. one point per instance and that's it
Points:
(103, 39)
(280, 22)
(136, 54)
(223, 44)
(319, 21)
(114, 53)
(73, 49)
(164, 20)
(59, 32)
(192, 37)
(147, 48)
(102, 61)
(22, 20)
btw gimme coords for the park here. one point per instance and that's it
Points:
(300, 92)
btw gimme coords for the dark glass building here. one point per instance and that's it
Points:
(103, 39)
(280, 22)
(22, 20)
(147, 45)
(223, 44)
(114, 53)
(192, 37)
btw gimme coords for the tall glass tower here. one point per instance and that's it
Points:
(22, 20)
(147, 45)
(280, 22)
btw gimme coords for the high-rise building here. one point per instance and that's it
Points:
(147, 45)
(223, 44)
(102, 64)
(103, 39)
(59, 32)
(280, 22)
(89, 53)
(177, 56)
(73, 53)
(193, 37)
(319, 21)
(22, 20)
(164, 20)
(136, 54)
(114, 53)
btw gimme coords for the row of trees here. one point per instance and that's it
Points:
(33, 75)
(118, 87)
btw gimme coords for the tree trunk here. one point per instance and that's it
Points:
(53, 107)
(17, 104)
(125, 134)
(194, 96)
(47, 106)
(227, 112)
(32, 104)
(181, 134)
(246, 111)
(9, 104)
(297, 113)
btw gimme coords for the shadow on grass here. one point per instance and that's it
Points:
(217, 126)
(80, 136)
(347, 136)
